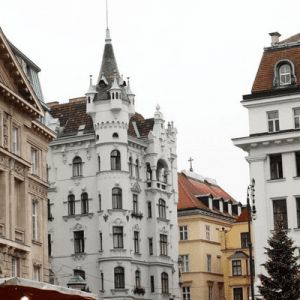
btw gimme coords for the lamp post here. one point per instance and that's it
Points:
(251, 212)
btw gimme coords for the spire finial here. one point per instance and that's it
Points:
(91, 80)
(107, 38)
(106, 15)
(191, 164)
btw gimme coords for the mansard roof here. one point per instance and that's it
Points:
(191, 190)
(288, 49)
(72, 117)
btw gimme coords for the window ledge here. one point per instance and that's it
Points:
(113, 291)
(164, 256)
(137, 254)
(118, 250)
(78, 216)
(296, 177)
(297, 228)
(77, 177)
(276, 180)
(37, 243)
(163, 220)
(78, 256)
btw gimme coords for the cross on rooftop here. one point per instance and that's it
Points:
(191, 164)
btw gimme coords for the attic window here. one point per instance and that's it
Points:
(284, 74)
(285, 77)
(115, 135)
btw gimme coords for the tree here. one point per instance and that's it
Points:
(283, 280)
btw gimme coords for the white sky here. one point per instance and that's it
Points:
(195, 58)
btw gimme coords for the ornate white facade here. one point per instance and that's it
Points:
(113, 193)
(273, 144)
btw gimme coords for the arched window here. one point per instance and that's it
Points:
(84, 203)
(71, 205)
(137, 169)
(162, 208)
(115, 135)
(77, 166)
(164, 283)
(137, 278)
(116, 198)
(115, 160)
(119, 278)
(285, 74)
(130, 167)
(99, 163)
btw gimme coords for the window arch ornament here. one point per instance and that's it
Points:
(284, 73)
(115, 160)
(77, 166)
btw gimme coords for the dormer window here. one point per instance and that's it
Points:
(285, 74)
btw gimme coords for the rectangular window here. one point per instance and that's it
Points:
(36, 273)
(15, 143)
(50, 217)
(149, 210)
(34, 161)
(183, 232)
(100, 241)
(49, 245)
(208, 261)
(298, 211)
(207, 232)
(273, 121)
(79, 241)
(276, 166)
(34, 220)
(100, 202)
(163, 244)
(185, 263)
(297, 117)
(136, 235)
(15, 267)
(102, 281)
(135, 208)
(244, 239)
(150, 241)
(118, 237)
(280, 213)
(152, 286)
(236, 268)
(186, 293)
(297, 159)
(210, 292)
(237, 293)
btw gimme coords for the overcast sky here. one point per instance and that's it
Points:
(195, 58)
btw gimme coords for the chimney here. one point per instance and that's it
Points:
(274, 38)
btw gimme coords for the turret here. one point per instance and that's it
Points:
(90, 96)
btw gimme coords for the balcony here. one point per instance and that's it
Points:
(139, 291)
(152, 185)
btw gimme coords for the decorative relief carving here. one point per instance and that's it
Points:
(19, 169)
(5, 130)
(4, 161)
(37, 190)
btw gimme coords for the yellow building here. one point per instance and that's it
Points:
(235, 257)
(205, 210)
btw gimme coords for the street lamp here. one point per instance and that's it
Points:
(251, 213)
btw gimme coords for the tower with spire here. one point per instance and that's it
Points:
(116, 228)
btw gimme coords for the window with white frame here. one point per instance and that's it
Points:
(185, 263)
(285, 74)
(273, 121)
(15, 143)
(84, 203)
(186, 293)
(163, 241)
(34, 161)
(162, 208)
(164, 283)
(207, 232)
(117, 198)
(135, 207)
(276, 171)
(236, 267)
(280, 213)
(34, 220)
(119, 281)
(297, 117)
(183, 232)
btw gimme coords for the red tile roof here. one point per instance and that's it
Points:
(189, 188)
(243, 217)
(73, 114)
(264, 78)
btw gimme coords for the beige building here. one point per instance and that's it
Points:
(235, 259)
(204, 211)
(23, 169)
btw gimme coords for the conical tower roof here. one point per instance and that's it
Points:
(109, 67)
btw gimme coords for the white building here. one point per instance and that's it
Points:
(273, 144)
(113, 193)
